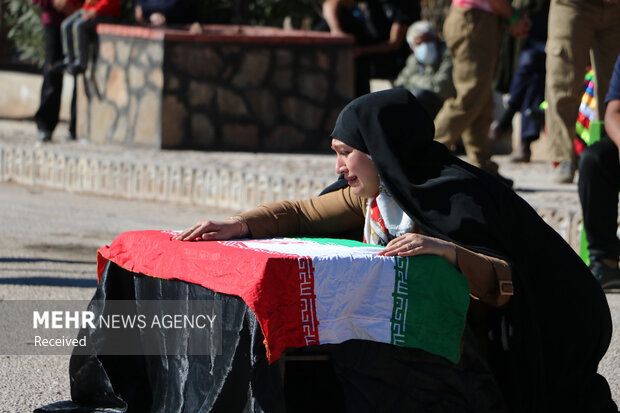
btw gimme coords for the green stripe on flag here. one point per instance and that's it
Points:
(341, 242)
(430, 305)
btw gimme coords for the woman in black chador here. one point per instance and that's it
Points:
(546, 343)
(538, 323)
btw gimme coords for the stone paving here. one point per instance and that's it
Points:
(235, 180)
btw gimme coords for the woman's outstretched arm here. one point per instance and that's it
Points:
(326, 215)
(233, 227)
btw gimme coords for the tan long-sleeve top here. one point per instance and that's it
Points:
(490, 279)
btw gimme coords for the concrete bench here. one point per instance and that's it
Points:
(227, 88)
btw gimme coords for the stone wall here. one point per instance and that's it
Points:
(121, 99)
(250, 89)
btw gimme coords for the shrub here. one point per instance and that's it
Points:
(26, 31)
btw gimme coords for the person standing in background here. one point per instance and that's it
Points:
(46, 118)
(527, 89)
(473, 32)
(576, 28)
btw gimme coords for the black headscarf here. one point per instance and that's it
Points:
(559, 317)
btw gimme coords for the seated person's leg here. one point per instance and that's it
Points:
(599, 179)
(83, 32)
(68, 41)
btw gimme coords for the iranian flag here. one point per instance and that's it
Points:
(309, 291)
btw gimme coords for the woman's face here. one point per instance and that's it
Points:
(358, 169)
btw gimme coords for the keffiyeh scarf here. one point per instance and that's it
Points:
(385, 220)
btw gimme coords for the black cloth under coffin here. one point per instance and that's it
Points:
(361, 376)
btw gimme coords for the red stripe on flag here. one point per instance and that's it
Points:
(279, 288)
(230, 270)
(285, 304)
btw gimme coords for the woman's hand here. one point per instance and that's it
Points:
(409, 244)
(234, 227)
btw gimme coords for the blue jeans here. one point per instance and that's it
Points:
(527, 90)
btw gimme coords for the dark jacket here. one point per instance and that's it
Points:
(49, 16)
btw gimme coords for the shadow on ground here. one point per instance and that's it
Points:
(49, 260)
(50, 281)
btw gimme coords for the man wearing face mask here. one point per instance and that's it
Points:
(428, 73)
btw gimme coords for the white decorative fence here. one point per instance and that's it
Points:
(217, 186)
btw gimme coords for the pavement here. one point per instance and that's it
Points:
(151, 183)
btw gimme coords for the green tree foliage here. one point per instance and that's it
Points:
(26, 31)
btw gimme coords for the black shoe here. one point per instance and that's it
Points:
(58, 67)
(44, 136)
(76, 69)
(608, 278)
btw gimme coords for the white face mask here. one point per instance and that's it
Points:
(426, 53)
